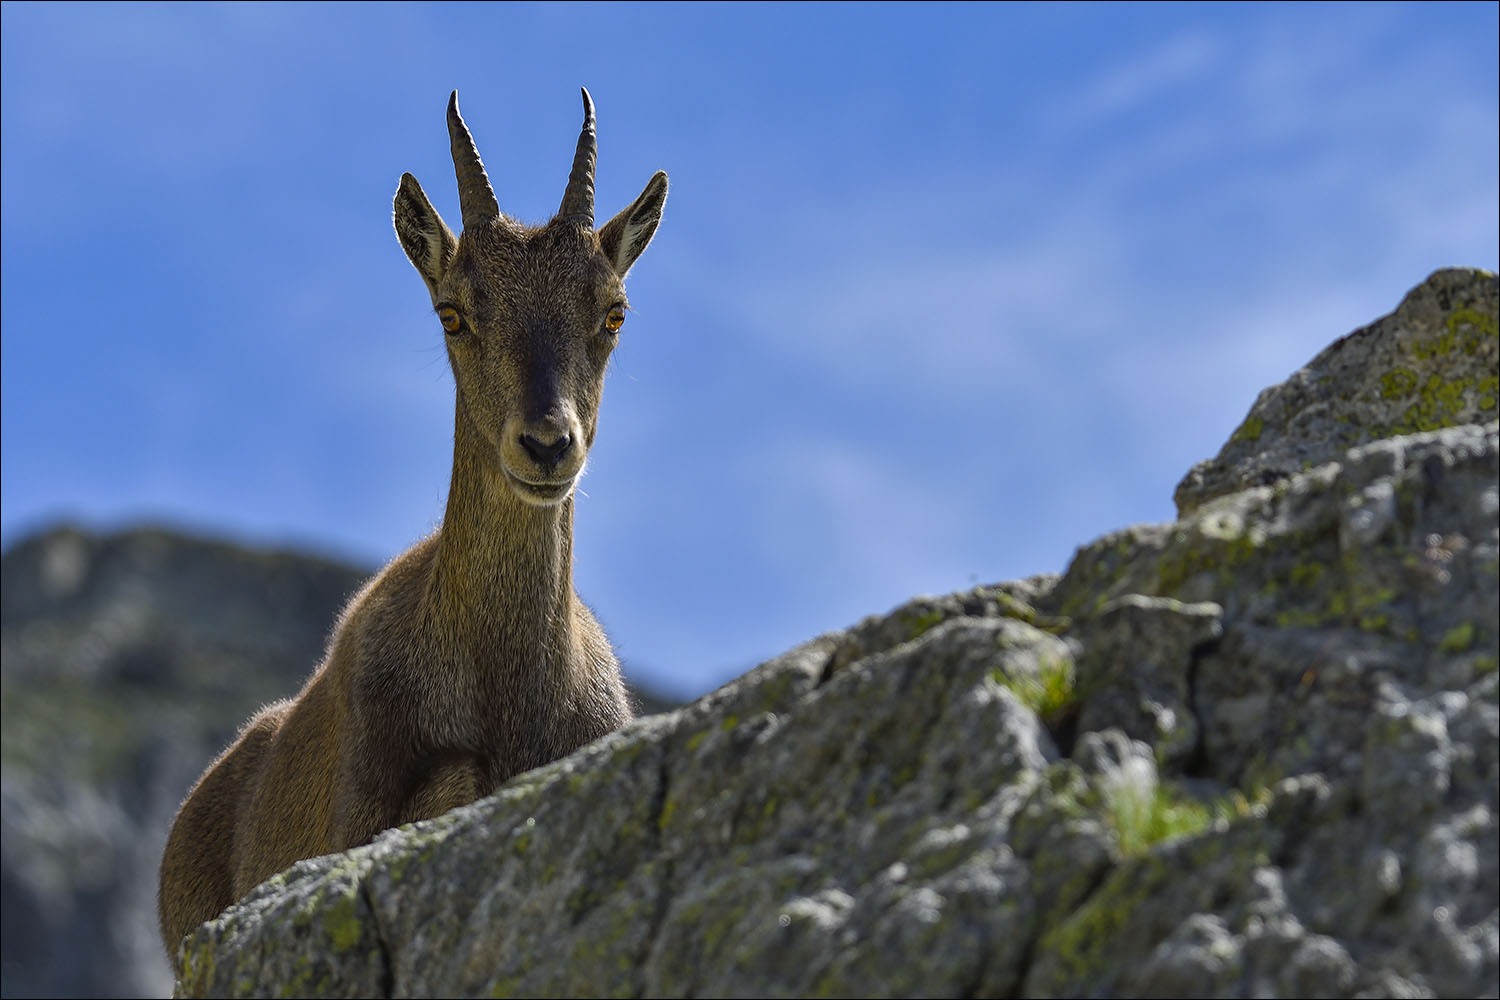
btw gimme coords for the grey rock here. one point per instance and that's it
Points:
(1430, 364)
(1137, 670)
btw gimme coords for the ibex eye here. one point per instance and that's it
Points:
(615, 319)
(448, 316)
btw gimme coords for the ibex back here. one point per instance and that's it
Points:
(470, 657)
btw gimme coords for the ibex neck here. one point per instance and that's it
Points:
(503, 571)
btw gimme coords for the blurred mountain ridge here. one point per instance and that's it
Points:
(130, 659)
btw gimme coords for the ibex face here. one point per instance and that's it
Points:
(530, 314)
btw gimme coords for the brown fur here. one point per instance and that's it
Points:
(470, 657)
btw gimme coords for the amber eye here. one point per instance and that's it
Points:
(448, 316)
(615, 319)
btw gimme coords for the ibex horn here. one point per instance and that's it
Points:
(476, 199)
(578, 199)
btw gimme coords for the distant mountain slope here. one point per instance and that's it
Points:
(129, 661)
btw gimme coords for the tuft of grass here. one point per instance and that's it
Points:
(1049, 693)
(1146, 813)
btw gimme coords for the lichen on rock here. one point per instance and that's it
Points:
(1431, 364)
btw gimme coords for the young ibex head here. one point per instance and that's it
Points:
(530, 314)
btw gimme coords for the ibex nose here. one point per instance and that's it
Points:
(547, 453)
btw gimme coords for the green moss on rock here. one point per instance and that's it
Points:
(1250, 430)
(1457, 639)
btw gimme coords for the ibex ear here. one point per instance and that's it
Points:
(428, 242)
(626, 235)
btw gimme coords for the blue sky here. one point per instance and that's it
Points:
(941, 292)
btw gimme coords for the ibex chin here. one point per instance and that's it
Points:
(470, 657)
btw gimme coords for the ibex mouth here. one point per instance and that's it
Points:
(541, 494)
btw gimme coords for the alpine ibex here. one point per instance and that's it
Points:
(470, 657)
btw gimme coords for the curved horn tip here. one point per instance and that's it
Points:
(588, 105)
(475, 196)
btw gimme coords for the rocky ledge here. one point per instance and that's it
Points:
(1251, 752)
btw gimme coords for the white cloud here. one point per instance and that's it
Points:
(1142, 77)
